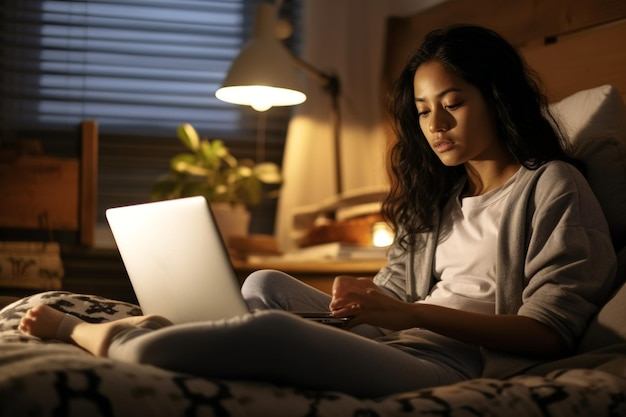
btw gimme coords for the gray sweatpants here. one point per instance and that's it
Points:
(273, 345)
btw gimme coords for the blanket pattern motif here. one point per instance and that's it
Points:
(48, 378)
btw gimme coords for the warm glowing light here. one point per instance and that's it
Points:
(260, 97)
(382, 235)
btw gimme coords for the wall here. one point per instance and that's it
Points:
(346, 38)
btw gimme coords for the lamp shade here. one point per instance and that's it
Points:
(264, 74)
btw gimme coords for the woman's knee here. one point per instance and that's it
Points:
(265, 289)
(269, 289)
(263, 279)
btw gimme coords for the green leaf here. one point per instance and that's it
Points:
(250, 191)
(208, 155)
(219, 149)
(244, 172)
(268, 172)
(210, 170)
(182, 161)
(188, 136)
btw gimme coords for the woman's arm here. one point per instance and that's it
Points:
(508, 333)
(363, 300)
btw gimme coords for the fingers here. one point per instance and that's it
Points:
(354, 312)
(348, 290)
(340, 283)
(346, 283)
(351, 310)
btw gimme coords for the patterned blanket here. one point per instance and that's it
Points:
(49, 378)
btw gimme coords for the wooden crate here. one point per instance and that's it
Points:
(39, 192)
(49, 193)
(35, 265)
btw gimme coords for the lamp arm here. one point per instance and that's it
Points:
(329, 82)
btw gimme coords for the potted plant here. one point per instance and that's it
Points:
(207, 168)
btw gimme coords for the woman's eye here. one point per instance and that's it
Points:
(453, 106)
(422, 113)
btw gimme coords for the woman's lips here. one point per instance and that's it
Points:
(443, 145)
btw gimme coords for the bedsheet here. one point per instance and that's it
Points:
(45, 378)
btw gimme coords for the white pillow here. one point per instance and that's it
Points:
(594, 120)
(608, 327)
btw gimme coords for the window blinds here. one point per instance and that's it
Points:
(138, 67)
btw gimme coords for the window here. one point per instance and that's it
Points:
(138, 67)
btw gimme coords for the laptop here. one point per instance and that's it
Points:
(178, 264)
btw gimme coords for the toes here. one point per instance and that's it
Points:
(25, 324)
(41, 321)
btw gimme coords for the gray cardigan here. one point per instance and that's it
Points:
(555, 259)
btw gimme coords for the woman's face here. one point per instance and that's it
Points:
(454, 117)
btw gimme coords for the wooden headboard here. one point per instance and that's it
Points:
(572, 44)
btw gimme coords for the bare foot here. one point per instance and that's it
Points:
(44, 321)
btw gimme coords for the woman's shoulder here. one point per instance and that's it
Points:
(554, 174)
(554, 180)
(558, 181)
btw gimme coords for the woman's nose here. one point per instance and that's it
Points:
(439, 121)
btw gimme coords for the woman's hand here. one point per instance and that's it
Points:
(365, 302)
(361, 299)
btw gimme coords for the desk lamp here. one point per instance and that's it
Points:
(265, 74)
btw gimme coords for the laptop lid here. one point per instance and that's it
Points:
(176, 260)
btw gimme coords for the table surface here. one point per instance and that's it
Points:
(319, 274)
(314, 266)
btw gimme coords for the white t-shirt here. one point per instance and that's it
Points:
(465, 258)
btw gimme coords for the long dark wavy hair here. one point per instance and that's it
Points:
(420, 182)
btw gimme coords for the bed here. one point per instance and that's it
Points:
(42, 378)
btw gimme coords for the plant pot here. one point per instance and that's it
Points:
(231, 220)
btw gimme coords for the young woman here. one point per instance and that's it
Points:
(501, 256)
